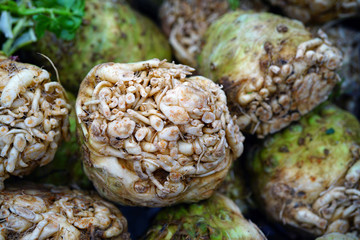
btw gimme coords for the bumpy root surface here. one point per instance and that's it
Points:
(58, 213)
(272, 101)
(152, 136)
(337, 209)
(33, 118)
(185, 22)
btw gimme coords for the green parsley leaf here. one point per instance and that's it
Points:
(22, 18)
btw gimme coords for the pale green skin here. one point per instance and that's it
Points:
(111, 32)
(294, 166)
(217, 218)
(290, 154)
(239, 49)
(336, 236)
(234, 47)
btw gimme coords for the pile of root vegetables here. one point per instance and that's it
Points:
(180, 119)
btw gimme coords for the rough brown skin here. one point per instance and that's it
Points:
(109, 186)
(58, 213)
(66, 168)
(153, 136)
(186, 21)
(38, 111)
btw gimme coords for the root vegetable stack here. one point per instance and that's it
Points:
(153, 135)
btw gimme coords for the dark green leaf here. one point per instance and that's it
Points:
(62, 17)
(42, 24)
(67, 3)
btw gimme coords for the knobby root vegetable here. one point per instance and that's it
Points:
(47, 212)
(272, 69)
(185, 23)
(215, 218)
(153, 136)
(308, 175)
(33, 118)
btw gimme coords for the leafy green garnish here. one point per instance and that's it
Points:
(24, 21)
